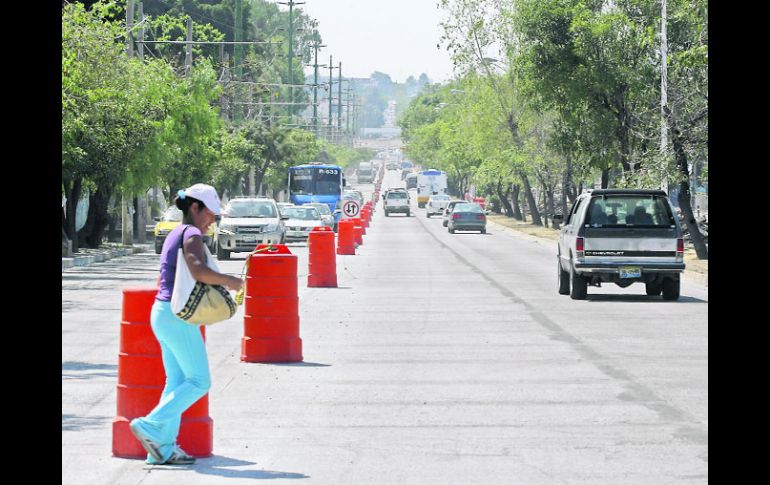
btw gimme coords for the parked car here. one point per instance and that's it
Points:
(301, 220)
(467, 216)
(621, 236)
(448, 210)
(436, 204)
(397, 201)
(247, 222)
(326, 214)
(171, 218)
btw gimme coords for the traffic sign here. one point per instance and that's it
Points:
(350, 209)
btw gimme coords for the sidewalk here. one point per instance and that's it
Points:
(88, 257)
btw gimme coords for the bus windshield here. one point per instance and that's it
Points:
(315, 181)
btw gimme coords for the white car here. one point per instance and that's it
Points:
(247, 222)
(301, 220)
(326, 214)
(436, 204)
(448, 210)
(396, 200)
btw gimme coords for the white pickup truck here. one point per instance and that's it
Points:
(397, 201)
(622, 236)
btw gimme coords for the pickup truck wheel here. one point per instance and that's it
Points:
(653, 289)
(222, 254)
(427, 214)
(444, 223)
(563, 279)
(671, 289)
(578, 286)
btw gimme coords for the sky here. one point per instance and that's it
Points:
(397, 37)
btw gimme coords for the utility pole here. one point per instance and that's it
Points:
(127, 208)
(316, 46)
(140, 47)
(339, 100)
(188, 49)
(238, 57)
(142, 205)
(291, 4)
(663, 82)
(331, 90)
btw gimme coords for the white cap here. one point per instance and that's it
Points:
(204, 193)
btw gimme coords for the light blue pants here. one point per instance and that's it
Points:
(187, 374)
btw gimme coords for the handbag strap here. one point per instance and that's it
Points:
(181, 239)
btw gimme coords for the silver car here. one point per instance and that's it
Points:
(301, 220)
(247, 222)
(326, 214)
(436, 204)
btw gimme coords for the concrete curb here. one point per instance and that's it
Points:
(92, 256)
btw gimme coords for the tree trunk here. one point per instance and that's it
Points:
(507, 209)
(605, 178)
(531, 202)
(701, 250)
(516, 208)
(92, 233)
(551, 207)
(72, 192)
(566, 183)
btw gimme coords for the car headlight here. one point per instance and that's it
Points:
(271, 227)
(227, 228)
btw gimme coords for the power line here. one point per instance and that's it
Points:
(206, 42)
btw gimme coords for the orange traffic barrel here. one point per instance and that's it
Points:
(141, 379)
(271, 310)
(346, 238)
(322, 260)
(365, 216)
(358, 231)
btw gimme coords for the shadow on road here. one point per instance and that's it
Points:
(297, 364)
(642, 299)
(218, 465)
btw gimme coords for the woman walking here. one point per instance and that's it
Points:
(182, 348)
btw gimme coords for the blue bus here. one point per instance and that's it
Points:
(316, 182)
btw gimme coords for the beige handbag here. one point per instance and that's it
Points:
(199, 303)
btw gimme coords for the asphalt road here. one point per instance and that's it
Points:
(439, 359)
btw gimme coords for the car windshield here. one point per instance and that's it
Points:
(629, 210)
(172, 214)
(397, 195)
(322, 208)
(302, 213)
(250, 208)
(469, 208)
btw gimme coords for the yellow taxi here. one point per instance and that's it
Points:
(171, 218)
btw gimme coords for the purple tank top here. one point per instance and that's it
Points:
(168, 259)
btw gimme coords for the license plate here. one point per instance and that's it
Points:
(249, 238)
(630, 272)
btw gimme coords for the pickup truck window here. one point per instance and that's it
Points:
(629, 210)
